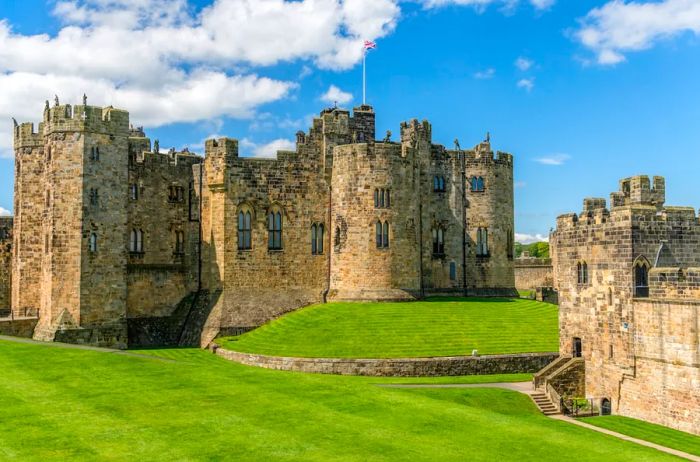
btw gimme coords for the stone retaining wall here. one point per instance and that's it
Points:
(23, 327)
(398, 367)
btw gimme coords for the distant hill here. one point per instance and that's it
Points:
(536, 249)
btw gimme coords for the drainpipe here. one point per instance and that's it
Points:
(330, 240)
(464, 222)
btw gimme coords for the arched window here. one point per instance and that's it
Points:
(438, 241)
(136, 241)
(376, 198)
(95, 153)
(381, 198)
(480, 182)
(641, 277)
(244, 230)
(274, 230)
(93, 242)
(317, 231)
(179, 242)
(439, 183)
(134, 191)
(477, 184)
(482, 242)
(473, 183)
(453, 271)
(336, 240)
(388, 198)
(382, 234)
(582, 272)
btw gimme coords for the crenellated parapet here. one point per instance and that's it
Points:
(640, 191)
(675, 283)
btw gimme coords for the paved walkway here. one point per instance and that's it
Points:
(526, 388)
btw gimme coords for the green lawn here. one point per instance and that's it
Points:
(434, 327)
(188, 405)
(649, 432)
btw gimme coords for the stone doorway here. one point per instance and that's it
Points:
(605, 407)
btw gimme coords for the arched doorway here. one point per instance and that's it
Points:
(577, 347)
(605, 407)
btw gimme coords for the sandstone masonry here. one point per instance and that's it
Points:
(629, 286)
(117, 243)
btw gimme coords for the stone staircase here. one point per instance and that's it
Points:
(544, 403)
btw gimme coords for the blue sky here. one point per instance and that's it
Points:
(582, 93)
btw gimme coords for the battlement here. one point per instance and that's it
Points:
(482, 153)
(413, 131)
(638, 191)
(26, 137)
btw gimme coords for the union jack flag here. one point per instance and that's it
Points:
(369, 45)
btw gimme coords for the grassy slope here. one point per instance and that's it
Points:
(77, 405)
(649, 432)
(435, 327)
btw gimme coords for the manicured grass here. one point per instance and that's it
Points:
(649, 432)
(188, 405)
(434, 327)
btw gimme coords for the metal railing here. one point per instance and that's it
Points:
(579, 407)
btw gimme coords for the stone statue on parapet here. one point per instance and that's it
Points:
(387, 138)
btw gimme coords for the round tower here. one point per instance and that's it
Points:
(490, 221)
(374, 242)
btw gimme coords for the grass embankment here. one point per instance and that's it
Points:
(434, 327)
(648, 432)
(189, 405)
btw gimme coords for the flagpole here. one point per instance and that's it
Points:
(364, 76)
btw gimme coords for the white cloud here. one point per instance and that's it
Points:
(523, 63)
(623, 26)
(519, 184)
(480, 5)
(527, 84)
(336, 95)
(5, 212)
(554, 159)
(163, 64)
(542, 4)
(269, 150)
(485, 74)
(530, 238)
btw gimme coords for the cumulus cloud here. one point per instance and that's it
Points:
(4, 212)
(554, 159)
(269, 150)
(481, 4)
(621, 26)
(165, 65)
(336, 95)
(524, 238)
(526, 84)
(523, 64)
(485, 74)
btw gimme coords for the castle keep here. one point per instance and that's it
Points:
(116, 243)
(629, 295)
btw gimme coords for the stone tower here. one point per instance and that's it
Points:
(78, 159)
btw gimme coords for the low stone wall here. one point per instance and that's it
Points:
(18, 327)
(531, 273)
(399, 367)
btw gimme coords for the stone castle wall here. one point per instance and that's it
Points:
(87, 182)
(5, 265)
(640, 350)
(531, 273)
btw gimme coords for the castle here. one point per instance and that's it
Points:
(116, 243)
(629, 301)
